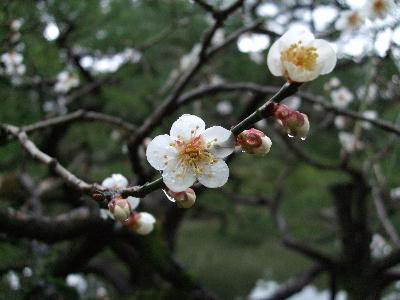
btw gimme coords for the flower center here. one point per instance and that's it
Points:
(378, 5)
(195, 153)
(301, 56)
(353, 19)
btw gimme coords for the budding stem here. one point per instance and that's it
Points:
(265, 111)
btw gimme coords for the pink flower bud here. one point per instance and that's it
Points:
(294, 122)
(254, 141)
(120, 208)
(185, 199)
(142, 223)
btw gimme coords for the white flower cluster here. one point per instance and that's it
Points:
(13, 65)
(341, 97)
(12, 60)
(349, 142)
(123, 209)
(351, 20)
(379, 246)
(66, 81)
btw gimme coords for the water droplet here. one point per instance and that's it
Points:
(168, 196)
(291, 136)
(303, 138)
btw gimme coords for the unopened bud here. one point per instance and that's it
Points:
(294, 122)
(185, 199)
(120, 208)
(254, 141)
(142, 223)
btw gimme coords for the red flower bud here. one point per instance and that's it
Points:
(294, 122)
(254, 141)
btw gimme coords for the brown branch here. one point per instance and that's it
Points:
(158, 257)
(42, 157)
(206, 6)
(80, 115)
(76, 223)
(383, 217)
(80, 253)
(308, 251)
(295, 285)
(249, 86)
(110, 273)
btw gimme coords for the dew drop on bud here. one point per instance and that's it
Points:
(303, 138)
(291, 136)
(168, 196)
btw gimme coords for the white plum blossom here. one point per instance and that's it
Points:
(66, 81)
(191, 153)
(78, 282)
(379, 9)
(333, 83)
(369, 114)
(350, 20)
(379, 247)
(368, 94)
(27, 272)
(11, 57)
(13, 280)
(191, 58)
(340, 122)
(58, 106)
(16, 24)
(224, 108)
(341, 97)
(116, 181)
(349, 141)
(257, 57)
(395, 193)
(13, 63)
(216, 79)
(298, 56)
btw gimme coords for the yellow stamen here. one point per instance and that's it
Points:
(193, 154)
(378, 5)
(301, 56)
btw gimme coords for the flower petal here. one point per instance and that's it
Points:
(133, 201)
(160, 152)
(326, 56)
(300, 75)
(274, 59)
(187, 126)
(214, 175)
(222, 141)
(295, 35)
(146, 223)
(116, 181)
(177, 178)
